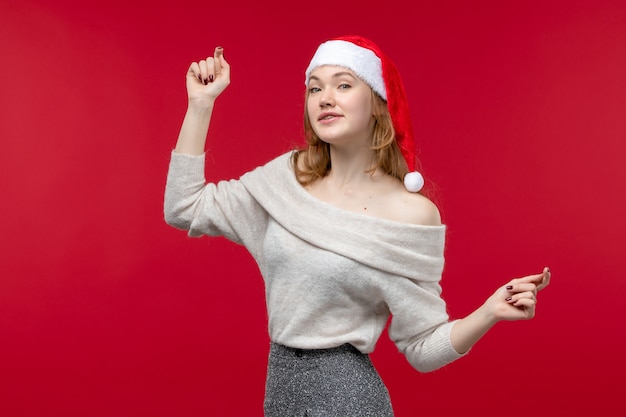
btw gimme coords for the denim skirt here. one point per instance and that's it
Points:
(336, 382)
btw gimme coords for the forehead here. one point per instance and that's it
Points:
(329, 71)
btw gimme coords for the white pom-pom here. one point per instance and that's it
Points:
(413, 181)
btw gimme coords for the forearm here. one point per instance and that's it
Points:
(194, 130)
(469, 330)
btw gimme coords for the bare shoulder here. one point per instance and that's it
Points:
(415, 208)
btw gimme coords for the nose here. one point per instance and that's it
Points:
(326, 98)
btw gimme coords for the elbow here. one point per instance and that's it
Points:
(170, 219)
(424, 368)
(426, 359)
(420, 364)
(176, 219)
(430, 363)
(173, 221)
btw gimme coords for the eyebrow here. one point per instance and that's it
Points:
(335, 75)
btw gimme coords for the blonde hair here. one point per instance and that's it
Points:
(313, 161)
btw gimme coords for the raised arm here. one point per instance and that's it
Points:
(514, 301)
(206, 80)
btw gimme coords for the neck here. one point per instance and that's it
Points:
(350, 167)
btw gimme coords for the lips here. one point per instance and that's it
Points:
(326, 116)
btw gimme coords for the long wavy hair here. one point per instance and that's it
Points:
(313, 161)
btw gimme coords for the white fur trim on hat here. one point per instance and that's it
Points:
(362, 61)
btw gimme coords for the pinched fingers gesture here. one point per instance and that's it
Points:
(208, 78)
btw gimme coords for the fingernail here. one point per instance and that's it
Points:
(509, 287)
(211, 78)
(205, 81)
(508, 298)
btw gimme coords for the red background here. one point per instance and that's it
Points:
(519, 109)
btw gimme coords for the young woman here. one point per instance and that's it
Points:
(342, 235)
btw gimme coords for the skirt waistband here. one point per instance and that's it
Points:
(287, 351)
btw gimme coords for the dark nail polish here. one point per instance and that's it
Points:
(205, 81)
(508, 298)
(211, 78)
(509, 287)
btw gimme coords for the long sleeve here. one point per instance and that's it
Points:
(420, 326)
(223, 209)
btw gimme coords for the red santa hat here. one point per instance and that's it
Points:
(369, 63)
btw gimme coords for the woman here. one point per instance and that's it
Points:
(341, 234)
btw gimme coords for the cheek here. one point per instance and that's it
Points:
(367, 114)
(310, 114)
(363, 103)
(309, 106)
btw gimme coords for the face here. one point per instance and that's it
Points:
(339, 106)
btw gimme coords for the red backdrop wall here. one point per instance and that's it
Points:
(519, 112)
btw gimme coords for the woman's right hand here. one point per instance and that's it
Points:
(205, 82)
(208, 78)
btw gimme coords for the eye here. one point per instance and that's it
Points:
(314, 89)
(344, 86)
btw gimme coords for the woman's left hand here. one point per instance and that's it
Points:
(518, 298)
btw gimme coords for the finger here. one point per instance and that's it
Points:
(218, 57)
(525, 306)
(536, 278)
(210, 66)
(546, 279)
(194, 70)
(526, 303)
(204, 71)
(514, 298)
(224, 66)
(518, 288)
